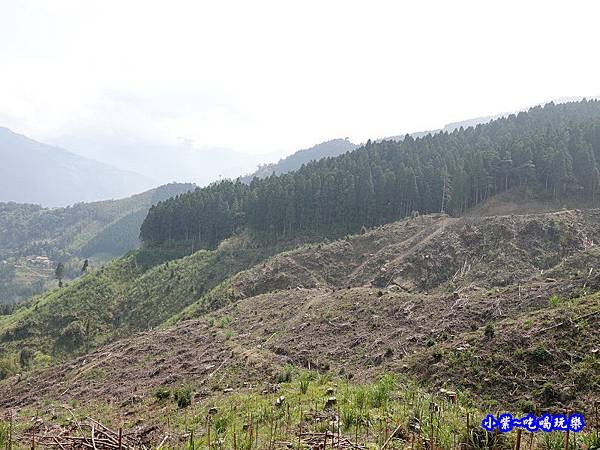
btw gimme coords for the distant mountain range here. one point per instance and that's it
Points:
(293, 162)
(32, 172)
(163, 163)
(449, 128)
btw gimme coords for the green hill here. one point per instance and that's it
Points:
(328, 149)
(34, 239)
(553, 149)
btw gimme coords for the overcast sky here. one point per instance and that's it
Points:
(260, 76)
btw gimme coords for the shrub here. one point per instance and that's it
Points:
(554, 300)
(41, 360)
(286, 374)
(304, 383)
(223, 321)
(360, 398)
(162, 393)
(222, 422)
(380, 393)
(183, 397)
(25, 357)
(489, 331)
(8, 366)
(73, 335)
(537, 356)
(527, 406)
(548, 394)
(350, 417)
(4, 434)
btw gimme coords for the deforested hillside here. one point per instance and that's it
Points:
(546, 359)
(34, 239)
(476, 305)
(433, 254)
(553, 150)
(361, 305)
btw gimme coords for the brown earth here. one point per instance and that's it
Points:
(390, 299)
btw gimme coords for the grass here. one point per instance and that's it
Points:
(121, 298)
(555, 345)
(368, 414)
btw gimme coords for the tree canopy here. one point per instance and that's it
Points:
(555, 147)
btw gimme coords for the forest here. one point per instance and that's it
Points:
(553, 148)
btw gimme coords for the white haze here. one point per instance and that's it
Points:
(269, 77)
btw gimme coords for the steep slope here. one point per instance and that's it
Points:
(34, 239)
(32, 172)
(389, 299)
(547, 359)
(293, 162)
(133, 293)
(432, 254)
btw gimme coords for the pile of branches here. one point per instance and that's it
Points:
(329, 440)
(87, 434)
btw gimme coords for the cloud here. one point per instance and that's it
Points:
(267, 75)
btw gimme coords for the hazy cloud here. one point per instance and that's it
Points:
(266, 75)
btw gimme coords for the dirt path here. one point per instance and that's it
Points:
(412, 243)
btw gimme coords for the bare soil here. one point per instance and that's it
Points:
(394, 298)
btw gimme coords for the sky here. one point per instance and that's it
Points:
(275, 76)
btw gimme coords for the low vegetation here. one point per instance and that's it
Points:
(137, 292)
(308, 410)
(34, 240)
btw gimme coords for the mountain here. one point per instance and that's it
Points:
(448, 128)
(554, 150)
(163, 162)
(389, 297)
(34, 239)
(293, 162)
(32, 172)
(432, 298)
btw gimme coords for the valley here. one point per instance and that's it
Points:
(34, 239)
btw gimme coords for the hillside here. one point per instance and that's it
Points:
(347, 305)
(133, 293)
(334, 147)
(32, 172)
(479, 304)
(553, 150)
(34, 239)
(344, 273)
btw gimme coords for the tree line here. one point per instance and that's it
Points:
(555, 148)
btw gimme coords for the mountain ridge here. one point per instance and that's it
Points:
(330, 148)
(57, 177)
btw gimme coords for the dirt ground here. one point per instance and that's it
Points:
(384, 300)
